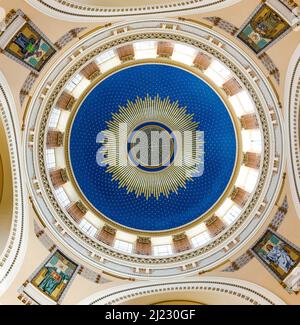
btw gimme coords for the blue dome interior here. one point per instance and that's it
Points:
(209, 110)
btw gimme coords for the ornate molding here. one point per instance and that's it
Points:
(12, 256)
(73, 10)
(222, 290)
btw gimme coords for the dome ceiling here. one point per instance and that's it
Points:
(147, 189)
(145, 149)
(87, 10)
(109, 83)
(120, 3)
(292, 116)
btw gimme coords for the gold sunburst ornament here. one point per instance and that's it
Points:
(152, 147)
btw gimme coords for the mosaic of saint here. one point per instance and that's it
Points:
(277, 255)
(264, 27)
(55, 276)
(29, 47)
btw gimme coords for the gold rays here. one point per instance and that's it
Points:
(177, 174)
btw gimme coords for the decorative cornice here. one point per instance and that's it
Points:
(73, 10)
(12, 256)
(237, 290)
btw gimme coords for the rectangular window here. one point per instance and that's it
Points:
(242, 103)
(218, 73)
(50, 158)
(162, 250)
(54, 118)
(74, 83)
(62, 197)
(200, 239)
(145, 50)
(88, 228)
(105, 57)
(123, 246)
(247, 179)
(224, 208)
(252, 141)
(183, 53)
(232, 215)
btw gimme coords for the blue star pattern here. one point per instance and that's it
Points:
(201, 193)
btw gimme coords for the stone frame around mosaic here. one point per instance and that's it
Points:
(59, 44)
(38, 31)
(249, 19)
(285, 240)
(265, 59)
(42, 265)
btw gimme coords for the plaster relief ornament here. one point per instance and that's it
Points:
(152, 147)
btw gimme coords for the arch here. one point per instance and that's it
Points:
(6, 190)
(205, 291)
(13, 254)
(88, 11)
